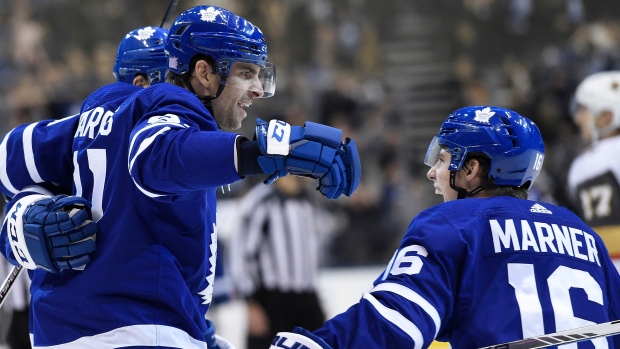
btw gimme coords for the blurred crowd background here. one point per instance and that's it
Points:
(386, 72)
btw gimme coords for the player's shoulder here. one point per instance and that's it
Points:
(456, 224)
(166, 95)
(507, 206)
(611, 142)
(596, 154)
(112, 92)
(165, 90)
(448, 218)
(475, 211)
(466, 207)
(166, 98)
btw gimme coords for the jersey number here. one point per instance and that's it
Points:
(97, 163)
(522, 278)
(402, 263)
(596, 201)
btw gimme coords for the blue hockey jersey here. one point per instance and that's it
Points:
(42, 151)
(150, 169)
(478, 272)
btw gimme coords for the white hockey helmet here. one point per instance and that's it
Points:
(600, 92)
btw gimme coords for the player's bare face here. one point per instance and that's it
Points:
(440, 175)
(241, 87)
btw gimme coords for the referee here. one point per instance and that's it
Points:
(274, 258)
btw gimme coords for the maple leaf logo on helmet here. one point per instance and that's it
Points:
(145, 33)
(209, 14)
(484, 115)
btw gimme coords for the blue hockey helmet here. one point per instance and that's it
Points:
(142, 52)
(224, 36)
(512, 143)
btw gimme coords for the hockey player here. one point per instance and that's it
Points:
(151, 169)
(140, 59)
(593, 180)
(487, 266)
(140, 62)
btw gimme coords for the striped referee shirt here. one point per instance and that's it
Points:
(276, 245)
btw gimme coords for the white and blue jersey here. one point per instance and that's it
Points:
(478, 272)
(150, 169)
(50, 171)
(42, 152)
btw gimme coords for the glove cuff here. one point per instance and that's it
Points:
(15, 230)
(247, 157)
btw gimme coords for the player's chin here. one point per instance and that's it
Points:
(232, 123)
(240, 117)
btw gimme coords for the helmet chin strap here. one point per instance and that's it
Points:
(462, 193)
(206, 100)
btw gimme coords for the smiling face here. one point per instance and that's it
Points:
(439, 173)
(241, 87)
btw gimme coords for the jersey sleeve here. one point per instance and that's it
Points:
(36, 153)
(174, 150)
(410, 300)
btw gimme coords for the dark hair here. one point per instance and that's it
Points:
(175, 79)
(494, 190)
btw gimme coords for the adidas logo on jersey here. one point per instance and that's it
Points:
(538, 208)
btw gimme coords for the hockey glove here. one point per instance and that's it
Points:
(347, 168)
(52, 233)
(299, 338)
(214, 341)
(313, 150)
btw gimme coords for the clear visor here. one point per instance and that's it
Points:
(432, 154)
(250, 77)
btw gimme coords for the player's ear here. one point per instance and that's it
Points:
(603, 119)
(206, 76)
(472, 169)
(141, 80)
(204, 70)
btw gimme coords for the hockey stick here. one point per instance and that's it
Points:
(8, 282)
(171, 7)
(563, 337)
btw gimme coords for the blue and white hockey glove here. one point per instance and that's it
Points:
(52, 233)
(349, 168)
(313, 150)
(300, 338)
(214, 341)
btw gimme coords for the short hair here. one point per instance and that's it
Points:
(495, 190)
(175, 79)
